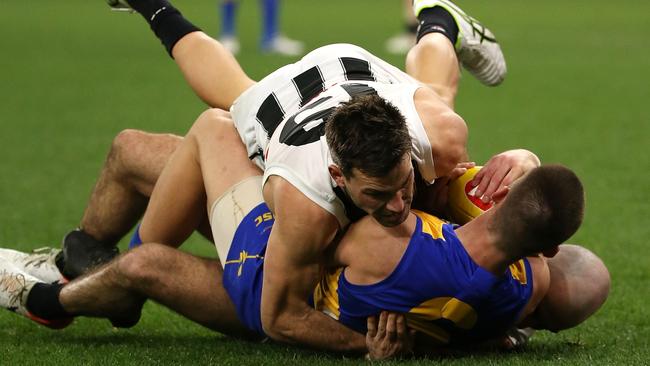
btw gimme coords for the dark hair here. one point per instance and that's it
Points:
(367, 133)
(543, 209)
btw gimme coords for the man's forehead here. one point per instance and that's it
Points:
(397, 178)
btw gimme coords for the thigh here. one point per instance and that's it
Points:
(210, 160)
(190, 285)
(222, 156)
(228, 211)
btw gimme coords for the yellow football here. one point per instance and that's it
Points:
(461, 203)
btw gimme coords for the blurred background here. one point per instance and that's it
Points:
(73, 74)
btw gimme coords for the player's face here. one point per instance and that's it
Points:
(387, 199)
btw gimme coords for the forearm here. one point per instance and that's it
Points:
(317, 330)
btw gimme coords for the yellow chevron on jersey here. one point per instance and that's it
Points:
(326, 296)
(449, 308)
(431, 224)
(518, 271)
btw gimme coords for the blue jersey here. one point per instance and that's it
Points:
(446, 295)
(443, 292)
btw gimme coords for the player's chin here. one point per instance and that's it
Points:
(390, 219)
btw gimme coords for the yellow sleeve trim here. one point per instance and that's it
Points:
(431, 224)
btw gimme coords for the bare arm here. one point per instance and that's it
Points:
(301, 233)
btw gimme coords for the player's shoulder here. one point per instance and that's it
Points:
(289, 200)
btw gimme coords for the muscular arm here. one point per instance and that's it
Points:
(301, 233)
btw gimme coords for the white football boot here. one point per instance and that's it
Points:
(477, 48)
(120, 5)
(15, 286)
(40, 263)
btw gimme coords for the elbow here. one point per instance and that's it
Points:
(279, 328)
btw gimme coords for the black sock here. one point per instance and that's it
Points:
(437, 20)
(166, 21)
(43, 301)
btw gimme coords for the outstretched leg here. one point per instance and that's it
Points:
(165, 275)
(187, 284)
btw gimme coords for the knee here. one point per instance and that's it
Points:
(123, 146)
(214, 124)
(141, 265)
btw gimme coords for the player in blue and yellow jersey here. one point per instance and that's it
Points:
(446, 294)
(455, 284)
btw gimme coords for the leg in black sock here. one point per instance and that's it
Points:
(165, 20)
(437, 20)
(43, 302)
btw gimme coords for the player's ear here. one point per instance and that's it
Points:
(337, 174)
(500, 194)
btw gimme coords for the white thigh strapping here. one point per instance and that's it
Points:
(229, 210)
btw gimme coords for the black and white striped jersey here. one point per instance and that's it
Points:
(281, 119)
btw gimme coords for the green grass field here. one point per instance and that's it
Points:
(73, 74)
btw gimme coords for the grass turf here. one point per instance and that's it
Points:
(72, 75)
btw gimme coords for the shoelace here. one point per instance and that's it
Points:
(40, 256)
(14, 284)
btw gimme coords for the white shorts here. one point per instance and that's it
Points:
(279, 95)
(229, 210)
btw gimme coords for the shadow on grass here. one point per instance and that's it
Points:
(535, 351)
(180, 342)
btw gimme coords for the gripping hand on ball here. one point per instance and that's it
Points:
(501, 170)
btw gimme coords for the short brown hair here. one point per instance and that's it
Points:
(367, 133)
(543, 209)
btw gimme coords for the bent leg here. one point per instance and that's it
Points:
(120, 196)
(189, 285)
(211, 159)
(118, 200)
(433, 61)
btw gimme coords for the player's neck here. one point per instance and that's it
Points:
(480, 244)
